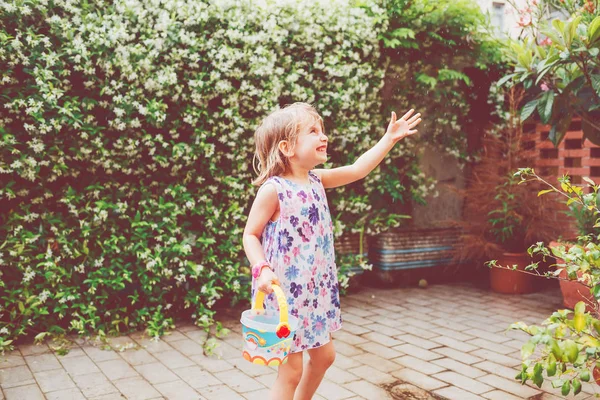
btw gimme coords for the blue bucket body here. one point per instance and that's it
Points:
(261, 344)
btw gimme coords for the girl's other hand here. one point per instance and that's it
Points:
(399, 129)
(265, 280)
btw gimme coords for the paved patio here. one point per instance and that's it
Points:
(443, 342)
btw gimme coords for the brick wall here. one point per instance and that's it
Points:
(574, 156)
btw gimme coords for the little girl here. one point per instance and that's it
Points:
(288, 237)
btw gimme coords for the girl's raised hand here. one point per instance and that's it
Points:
(399, 129)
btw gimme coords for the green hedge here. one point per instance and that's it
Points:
(126, 147)
(125, 152)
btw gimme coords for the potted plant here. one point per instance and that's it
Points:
(501, 218)
(584, 221)
(565, 348)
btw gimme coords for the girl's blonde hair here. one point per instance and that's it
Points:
(282, 124)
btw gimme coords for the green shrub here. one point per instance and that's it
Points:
(126, 143)
(126, 146)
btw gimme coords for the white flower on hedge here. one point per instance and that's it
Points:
(28, 275)
(98, 262)
(31, 217)
(44, 295)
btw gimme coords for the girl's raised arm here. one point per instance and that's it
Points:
(367, 162)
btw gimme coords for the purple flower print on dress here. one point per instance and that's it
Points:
(302, 196)
(319, 325)
(316, 303)
(280, 195)
(310, 286)
(294, 220)
(295, 290)
(316, 195)
(284, 241)
(306, 232)
(335, 298)
(309, 336)
(331, 314)
(313, 214)
(291, 272)
(323, 242)
(305, 323)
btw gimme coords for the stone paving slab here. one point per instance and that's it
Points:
(445, 342)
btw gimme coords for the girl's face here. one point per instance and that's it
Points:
(311, 146)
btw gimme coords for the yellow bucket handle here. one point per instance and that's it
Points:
(283, 329)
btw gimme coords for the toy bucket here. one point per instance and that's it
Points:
(268, 334)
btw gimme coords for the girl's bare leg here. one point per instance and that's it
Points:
(320, 360)
(288, 377)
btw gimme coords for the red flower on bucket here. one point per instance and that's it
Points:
(283, 331)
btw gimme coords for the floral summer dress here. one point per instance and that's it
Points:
(299, 246)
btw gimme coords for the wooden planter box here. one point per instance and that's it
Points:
(406, 256)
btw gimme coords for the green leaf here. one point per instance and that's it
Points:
(585, 375)
(528, 109)
(594, 30)
(556, 40)
(571, 30)
(557, 383)
(561, 120)
(576, 386)
(527, 350)
(571, 201)
(537, 377)
(544, 106)
(506, 79)
(595, 78)
(446, 74)
(551, 368)
(566, 388)
(403, 33)
(427, 80)
(559, 26)
(596, 292)
(591, 132)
